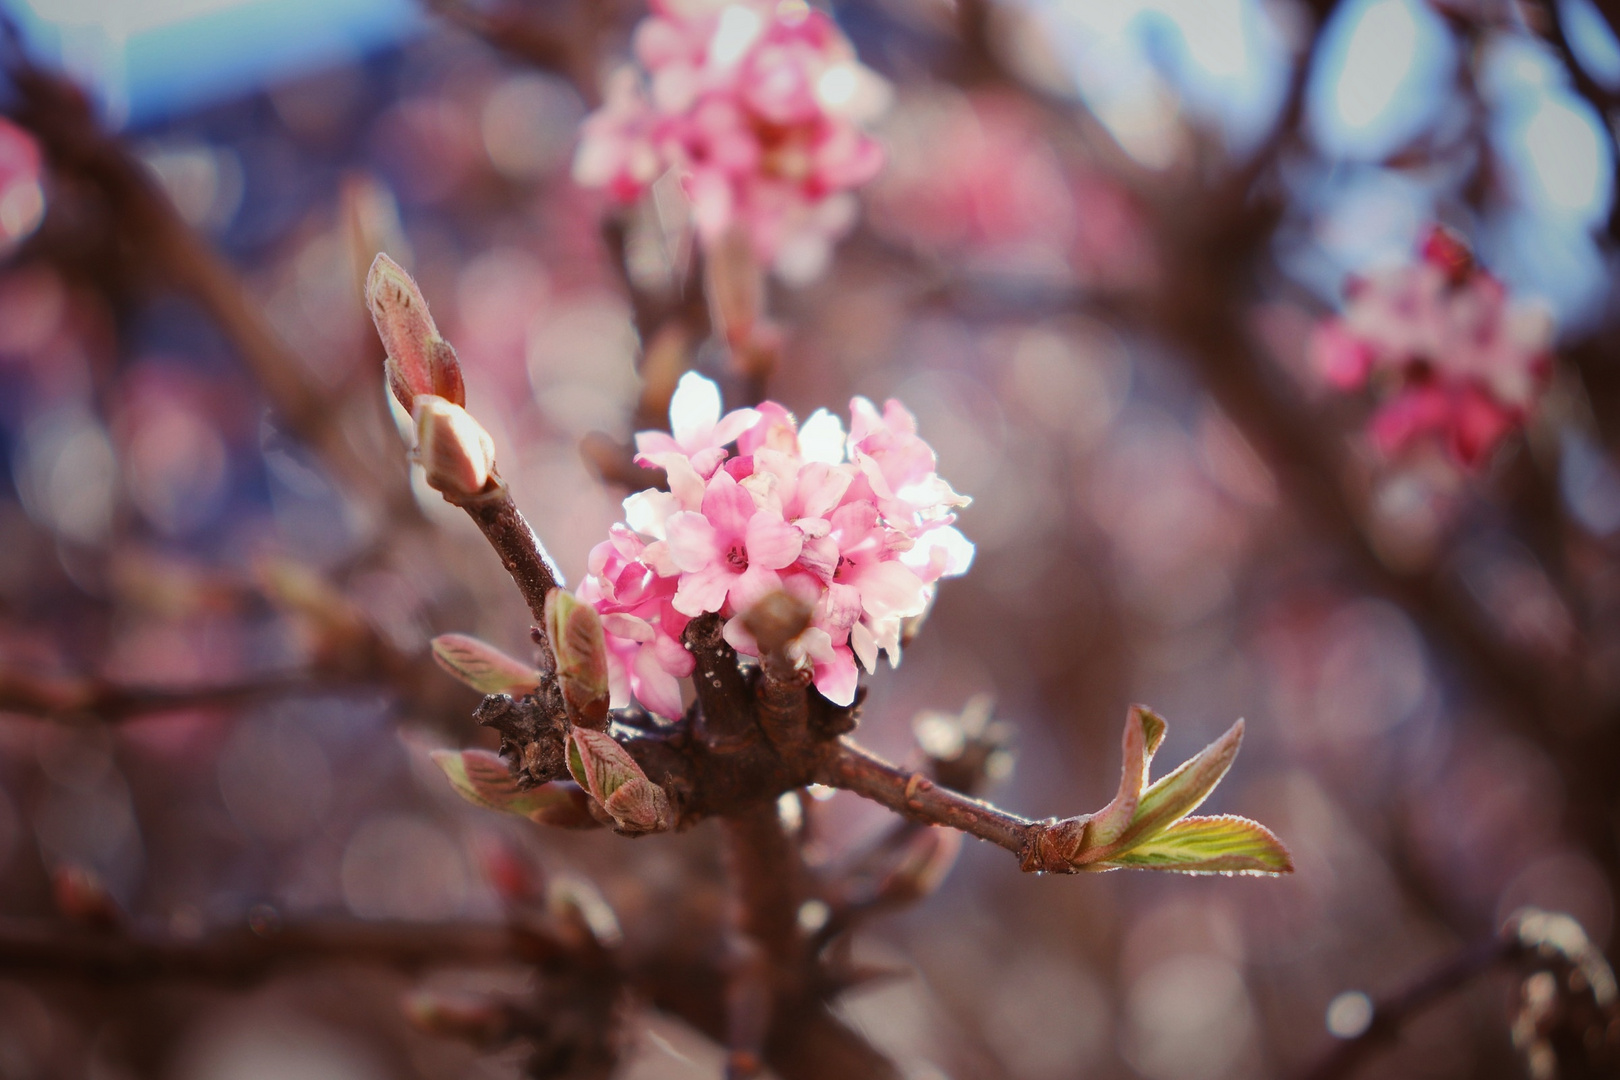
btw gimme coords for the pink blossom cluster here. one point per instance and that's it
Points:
(1453, 358)
(757, 105)
(857, 525)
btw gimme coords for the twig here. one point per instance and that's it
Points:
(242, 955)
(914, 796)
(521, 552)
(56, 699)
(770, 963)
(1391, 1015)
(728, 713)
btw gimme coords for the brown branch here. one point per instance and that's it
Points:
(30, 695)
(914, 796)
(769, 879)
(520, 550)
(729, 722)
(241, 955)
(771, 964)
(1391, 1015)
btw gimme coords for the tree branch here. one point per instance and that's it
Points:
(521, 552)
(1392, 1014)
(241, 955)
(914, 796)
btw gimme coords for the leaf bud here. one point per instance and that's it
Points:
(484, 667)
(576, 636)
(476, 1020)
(603, 767)
(454, 449)
(419, 360)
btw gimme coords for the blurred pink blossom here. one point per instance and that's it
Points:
(22, 199)
(758, 105)
(860, 527)
(1452, 357)
(976, 175)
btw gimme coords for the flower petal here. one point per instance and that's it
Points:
(693, 543)
(838, 679)
(728, 507)
(732, 425)
(704, 590)
(890, 589)
(654, 687)
(821, 439)
(752, 586)
(693, 411)
(772, 542)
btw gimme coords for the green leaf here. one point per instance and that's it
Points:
(484, 667)
(1226, 844)
(1178, 794)
(1147, 825)
(1144, 731)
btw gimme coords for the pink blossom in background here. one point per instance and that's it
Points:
(22, 199)
(858, 526)
(1452, 357)
(758, 105)
(976, 175)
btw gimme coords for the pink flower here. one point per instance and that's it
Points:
(700, 432)
(1455, 360)
(20, 191)
(729, 552)
(646, 661)
(645, 656)
(862, 542)
(757, 104)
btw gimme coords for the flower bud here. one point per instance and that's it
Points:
(1447, 251)
(776, 620)
(576, 636)
(456, 451)
(419, 360)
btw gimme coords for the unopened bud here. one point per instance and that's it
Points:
(1447, 251)
(484, 667)
(419, 360)
(776, 620)
(576, 636)
(454, 449)
(576, 903)
(603, 768)
(81, 896)
(639, 806)
(479, 1021)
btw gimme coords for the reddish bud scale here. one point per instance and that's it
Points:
(419, 360)
(1446, 250)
